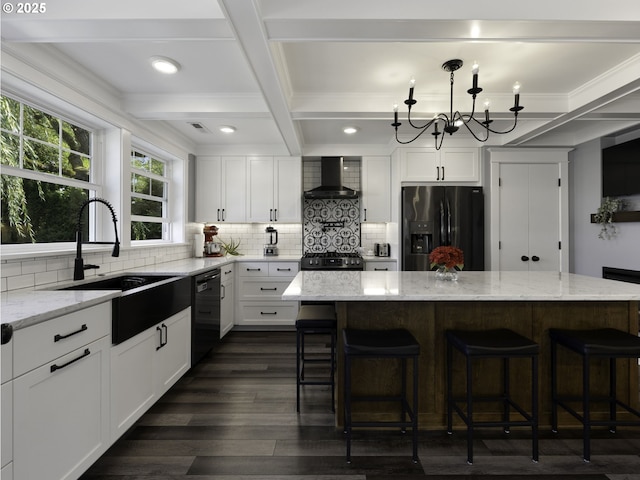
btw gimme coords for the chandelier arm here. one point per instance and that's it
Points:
(414, 138)
(497, 132)
(420, 127)
(466, 124)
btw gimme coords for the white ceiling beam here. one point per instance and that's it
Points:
(246, 23)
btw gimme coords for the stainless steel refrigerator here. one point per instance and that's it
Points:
(437, 215)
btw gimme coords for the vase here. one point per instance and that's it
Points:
(446, 274)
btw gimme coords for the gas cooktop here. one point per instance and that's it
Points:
(332, 261)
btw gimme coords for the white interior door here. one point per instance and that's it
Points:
(514, 216)
(544, 217)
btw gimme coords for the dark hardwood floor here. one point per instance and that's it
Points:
(233, 417)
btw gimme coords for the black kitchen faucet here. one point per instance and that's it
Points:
(79, 267)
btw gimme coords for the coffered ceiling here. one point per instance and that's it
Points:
(291, 74)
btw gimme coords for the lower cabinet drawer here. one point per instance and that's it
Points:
(276, 313)
(262, 289)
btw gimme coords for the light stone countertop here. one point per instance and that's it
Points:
(26, 307)
(471, 286)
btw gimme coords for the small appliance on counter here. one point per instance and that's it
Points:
(382, 250)
(211, 248)
(270, 249)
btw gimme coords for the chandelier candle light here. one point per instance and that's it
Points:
(454, 120)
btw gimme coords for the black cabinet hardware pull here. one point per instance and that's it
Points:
(443, 173)
(535, 258)
(268, 289)
(55, 367)
(275, 214)
(228, 272)
(268, 313)
(438, 175)
(166, 334)
(524, 258)
(253, 269)
(271, 214)
(284, 269)
(62, 337)
(218, 214)
(380, 269)
(223, 292)
(158, 329)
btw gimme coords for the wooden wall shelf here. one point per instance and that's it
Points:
(631, 216)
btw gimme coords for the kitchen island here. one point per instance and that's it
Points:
(527, 302)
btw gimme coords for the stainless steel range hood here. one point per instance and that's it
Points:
(331, 186)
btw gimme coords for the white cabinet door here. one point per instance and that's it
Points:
(173, 357)
(419, 165)
(234, 189)
(208, 192)
(445, 165)
(7, 423)
(529, 217)
(260, 190)
(288, 189)
(132, 383)
(459, 165)
(227, 299)
(62, 415)
(376, 189)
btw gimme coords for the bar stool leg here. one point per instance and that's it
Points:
(612, 394)
(347, 404)
(298, 372)
(586, 402)
(534, 406)
(414, 426)
(469, 413)
(403, 395)
(449, 389)
(554, 387)
(333, 370)
(505, 387)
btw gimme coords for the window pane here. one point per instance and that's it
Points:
(10, 152)
(146, 231)
(40, 157)
(157, 167)
(76, 138)
(75, 166)
(139, 184)
(157, 188)
(139, 160)
(148, 208)
(10, 115)
(41, 212)
(40, 125)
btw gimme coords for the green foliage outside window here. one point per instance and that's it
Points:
(148, 196)
(41, 210)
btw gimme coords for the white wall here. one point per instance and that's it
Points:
(588, 252)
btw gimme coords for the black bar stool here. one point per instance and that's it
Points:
(599, 343)
(498, 343)
(315, 320)
(396, 343)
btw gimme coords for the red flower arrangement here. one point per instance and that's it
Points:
(449, 257)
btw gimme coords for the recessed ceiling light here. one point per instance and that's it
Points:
(227, 129)
(350, 130)
(165, 65)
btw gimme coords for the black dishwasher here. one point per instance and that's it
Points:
(205, 314)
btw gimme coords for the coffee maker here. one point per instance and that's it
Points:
(270, 249)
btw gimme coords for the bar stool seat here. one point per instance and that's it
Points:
(315, 320)
(599, 343)
(497, 343)
(386, 344)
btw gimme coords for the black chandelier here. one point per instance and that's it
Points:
(452, 122)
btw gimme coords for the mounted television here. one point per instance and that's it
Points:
(621, 169)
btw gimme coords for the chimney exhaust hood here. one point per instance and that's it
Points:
(331, 186)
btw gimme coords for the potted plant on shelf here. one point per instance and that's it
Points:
(448, 261)
(230, 247)
(604, 217)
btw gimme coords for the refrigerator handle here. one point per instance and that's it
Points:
(443, 233)
(448, 221)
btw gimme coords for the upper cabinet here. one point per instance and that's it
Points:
(376, 189)
(221, 188)
(275, 189)
(446, 165)
(248, 189)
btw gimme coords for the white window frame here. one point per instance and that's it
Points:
(166, 218)
(94, 186)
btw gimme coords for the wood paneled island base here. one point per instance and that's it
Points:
(527, 302)
(428, 320)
